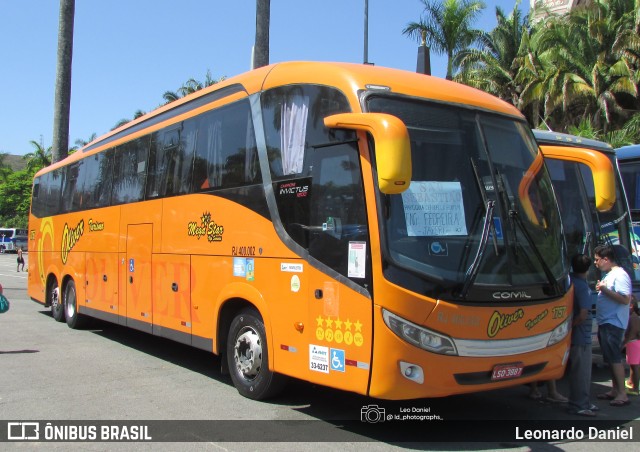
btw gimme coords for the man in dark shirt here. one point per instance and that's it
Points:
(580, 353)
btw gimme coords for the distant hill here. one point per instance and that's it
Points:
(15, 162)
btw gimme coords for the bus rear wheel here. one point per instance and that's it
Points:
(248, 357)
(74, 320)
(54, 300)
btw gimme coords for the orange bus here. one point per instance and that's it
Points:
(364, 228)
(592, 202)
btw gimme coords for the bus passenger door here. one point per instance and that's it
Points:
(338, 238)
(138, 279)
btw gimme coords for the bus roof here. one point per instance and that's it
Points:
(350, 78)
(564, 139)
(628, 152)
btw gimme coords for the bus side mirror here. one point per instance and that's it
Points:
(393, 149)
(601, 167)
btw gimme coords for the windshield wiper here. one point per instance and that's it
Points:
(587, 240)
(513, 214)
(485, 200)
(472, 271)
(587, 234)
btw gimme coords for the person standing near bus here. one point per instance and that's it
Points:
(612, 314)
(20, 259)
(632, 345)
(580, 352)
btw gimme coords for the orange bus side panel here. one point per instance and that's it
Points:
(171, 288)
(102, 282)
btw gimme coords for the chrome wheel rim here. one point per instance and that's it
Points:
(70, 303)
(247, 353)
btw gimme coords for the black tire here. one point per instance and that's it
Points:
(54, 300)
(248, 357)
(74, 320)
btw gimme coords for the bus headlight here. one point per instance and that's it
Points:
(418, 335)
(559, 332)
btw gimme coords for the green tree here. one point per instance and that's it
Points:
(191, 86)
(62, 101)
(80, 143)
(577, 70)
(15, 199)
(38, 159)
(5, 170)
(124, 121)
(492, 66)
(446, 27)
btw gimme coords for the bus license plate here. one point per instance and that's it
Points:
(504, 371)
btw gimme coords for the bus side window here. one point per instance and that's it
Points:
(70, 186)
(130, 171)
(166, 157)
(36, 202)
(225, 149)
(100, 187)
(52, 195)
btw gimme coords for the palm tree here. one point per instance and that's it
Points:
(191, 86)
(39, 158)
(446, 27)
(63, 81)
(261, 48)
(492, 67)
(170, 96)
(582, 76)
(80, 143)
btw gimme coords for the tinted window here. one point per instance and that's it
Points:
(72, 187)
(49, 193)
(97, 183)
(318, 177)
(225, 148)
(130, 171)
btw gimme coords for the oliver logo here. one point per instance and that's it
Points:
(499, 321)
(70, 237)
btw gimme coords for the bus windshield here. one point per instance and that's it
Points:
(7, 233)
(629, 162)
(584, 226)
(467, 164)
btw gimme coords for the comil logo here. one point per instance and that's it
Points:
(511, 295)
(22, 431)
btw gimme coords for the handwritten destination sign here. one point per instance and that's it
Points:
(434, 209)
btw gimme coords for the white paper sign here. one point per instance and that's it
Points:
(357, 256)
(434, 209)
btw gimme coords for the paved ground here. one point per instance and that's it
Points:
(110, 374)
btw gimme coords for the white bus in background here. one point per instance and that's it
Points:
(12, 238)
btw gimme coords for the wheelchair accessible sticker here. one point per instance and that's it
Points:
(337, 360)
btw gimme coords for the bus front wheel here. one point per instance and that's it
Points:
(248, 357)
(53, 297)
(74, 320)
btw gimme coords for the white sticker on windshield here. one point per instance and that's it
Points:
(434, 209)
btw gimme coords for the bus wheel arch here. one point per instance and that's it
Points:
(228, 312)
(53, 298)
(247, 353)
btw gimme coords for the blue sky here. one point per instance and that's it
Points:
(127, 53)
